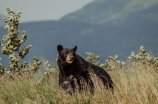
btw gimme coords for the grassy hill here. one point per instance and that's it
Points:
(104, 27)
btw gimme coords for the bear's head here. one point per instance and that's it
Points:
(67, 55)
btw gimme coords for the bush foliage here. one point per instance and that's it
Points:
(13, 43)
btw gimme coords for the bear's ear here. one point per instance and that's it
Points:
(75, 48)
(59, 48)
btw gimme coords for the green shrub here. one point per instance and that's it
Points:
(13, 43)
(111, 63)
(142, 56)
(51, 72)
(2, 69)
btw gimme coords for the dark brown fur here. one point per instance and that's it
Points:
(79, 68)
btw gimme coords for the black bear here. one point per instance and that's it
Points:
(73, 66)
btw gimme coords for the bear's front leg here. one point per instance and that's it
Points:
(68, 85)
(69, 81)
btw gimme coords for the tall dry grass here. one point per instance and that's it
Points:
(135, 83)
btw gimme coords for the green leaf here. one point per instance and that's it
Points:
(12, 28)
(24, 32)
(6, 27)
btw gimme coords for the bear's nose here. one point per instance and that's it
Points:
(71, 57)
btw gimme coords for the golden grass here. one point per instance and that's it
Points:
(135, 83)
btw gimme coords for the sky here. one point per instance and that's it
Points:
(37, 10)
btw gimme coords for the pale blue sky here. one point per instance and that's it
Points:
(37, 10)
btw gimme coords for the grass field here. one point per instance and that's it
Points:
(135, 83)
